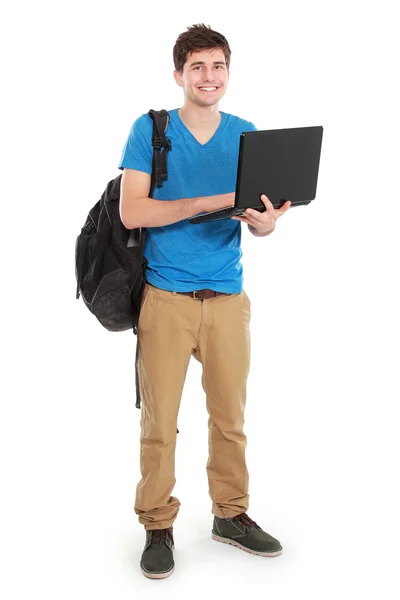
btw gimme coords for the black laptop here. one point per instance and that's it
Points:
(283, 164)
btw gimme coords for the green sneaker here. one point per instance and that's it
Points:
(157, 559)
(244, 533)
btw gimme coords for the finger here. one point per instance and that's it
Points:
(262, 220)
(255, 218)
(267, 202)
(248, 220)
(246, 213)
(280, 211)
(270, 206)
(255, 214)
(285, 207)
(258, 225)
(259, 216)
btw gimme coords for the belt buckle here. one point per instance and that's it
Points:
(205, 294)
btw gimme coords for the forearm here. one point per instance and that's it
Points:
(148, 212)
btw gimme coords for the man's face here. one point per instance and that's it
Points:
(204, 78)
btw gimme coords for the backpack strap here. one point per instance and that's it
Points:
(158, 174)
(159, 140)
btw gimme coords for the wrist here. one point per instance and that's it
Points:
(260, 233)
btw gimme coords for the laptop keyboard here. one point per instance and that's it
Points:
(222, 212)
(214, 215)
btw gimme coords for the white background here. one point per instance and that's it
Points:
(323, 389)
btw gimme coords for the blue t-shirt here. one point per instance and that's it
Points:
(185, 257)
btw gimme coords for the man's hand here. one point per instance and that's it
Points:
(263, 222)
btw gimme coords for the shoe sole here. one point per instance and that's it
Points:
(157, 575)
(217, 538)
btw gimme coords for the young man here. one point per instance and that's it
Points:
(193, 302)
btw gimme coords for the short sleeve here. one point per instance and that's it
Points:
(252, 127)
(246, 126)
(137, 153)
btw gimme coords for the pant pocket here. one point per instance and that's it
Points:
(145, 299)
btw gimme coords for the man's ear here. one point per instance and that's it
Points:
(178, 78)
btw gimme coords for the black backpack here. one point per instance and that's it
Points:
(109, 262)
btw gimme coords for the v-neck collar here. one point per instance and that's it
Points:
(183, 126)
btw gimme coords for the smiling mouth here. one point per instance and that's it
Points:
(208, 89)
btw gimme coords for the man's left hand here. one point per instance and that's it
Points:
(263, 222)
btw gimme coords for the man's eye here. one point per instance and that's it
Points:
(216, 66)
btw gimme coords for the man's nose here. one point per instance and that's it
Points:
(209, 75)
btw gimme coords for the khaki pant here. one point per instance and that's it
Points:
(173, 327)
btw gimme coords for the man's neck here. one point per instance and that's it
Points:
(200, 117)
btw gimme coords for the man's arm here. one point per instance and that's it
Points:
(138, 210)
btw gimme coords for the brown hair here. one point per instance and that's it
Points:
(199, 37)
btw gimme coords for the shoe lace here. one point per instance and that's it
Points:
(159, 536)
(245, 519)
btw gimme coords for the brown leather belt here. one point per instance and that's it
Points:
(203, 294)
(200, 294)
